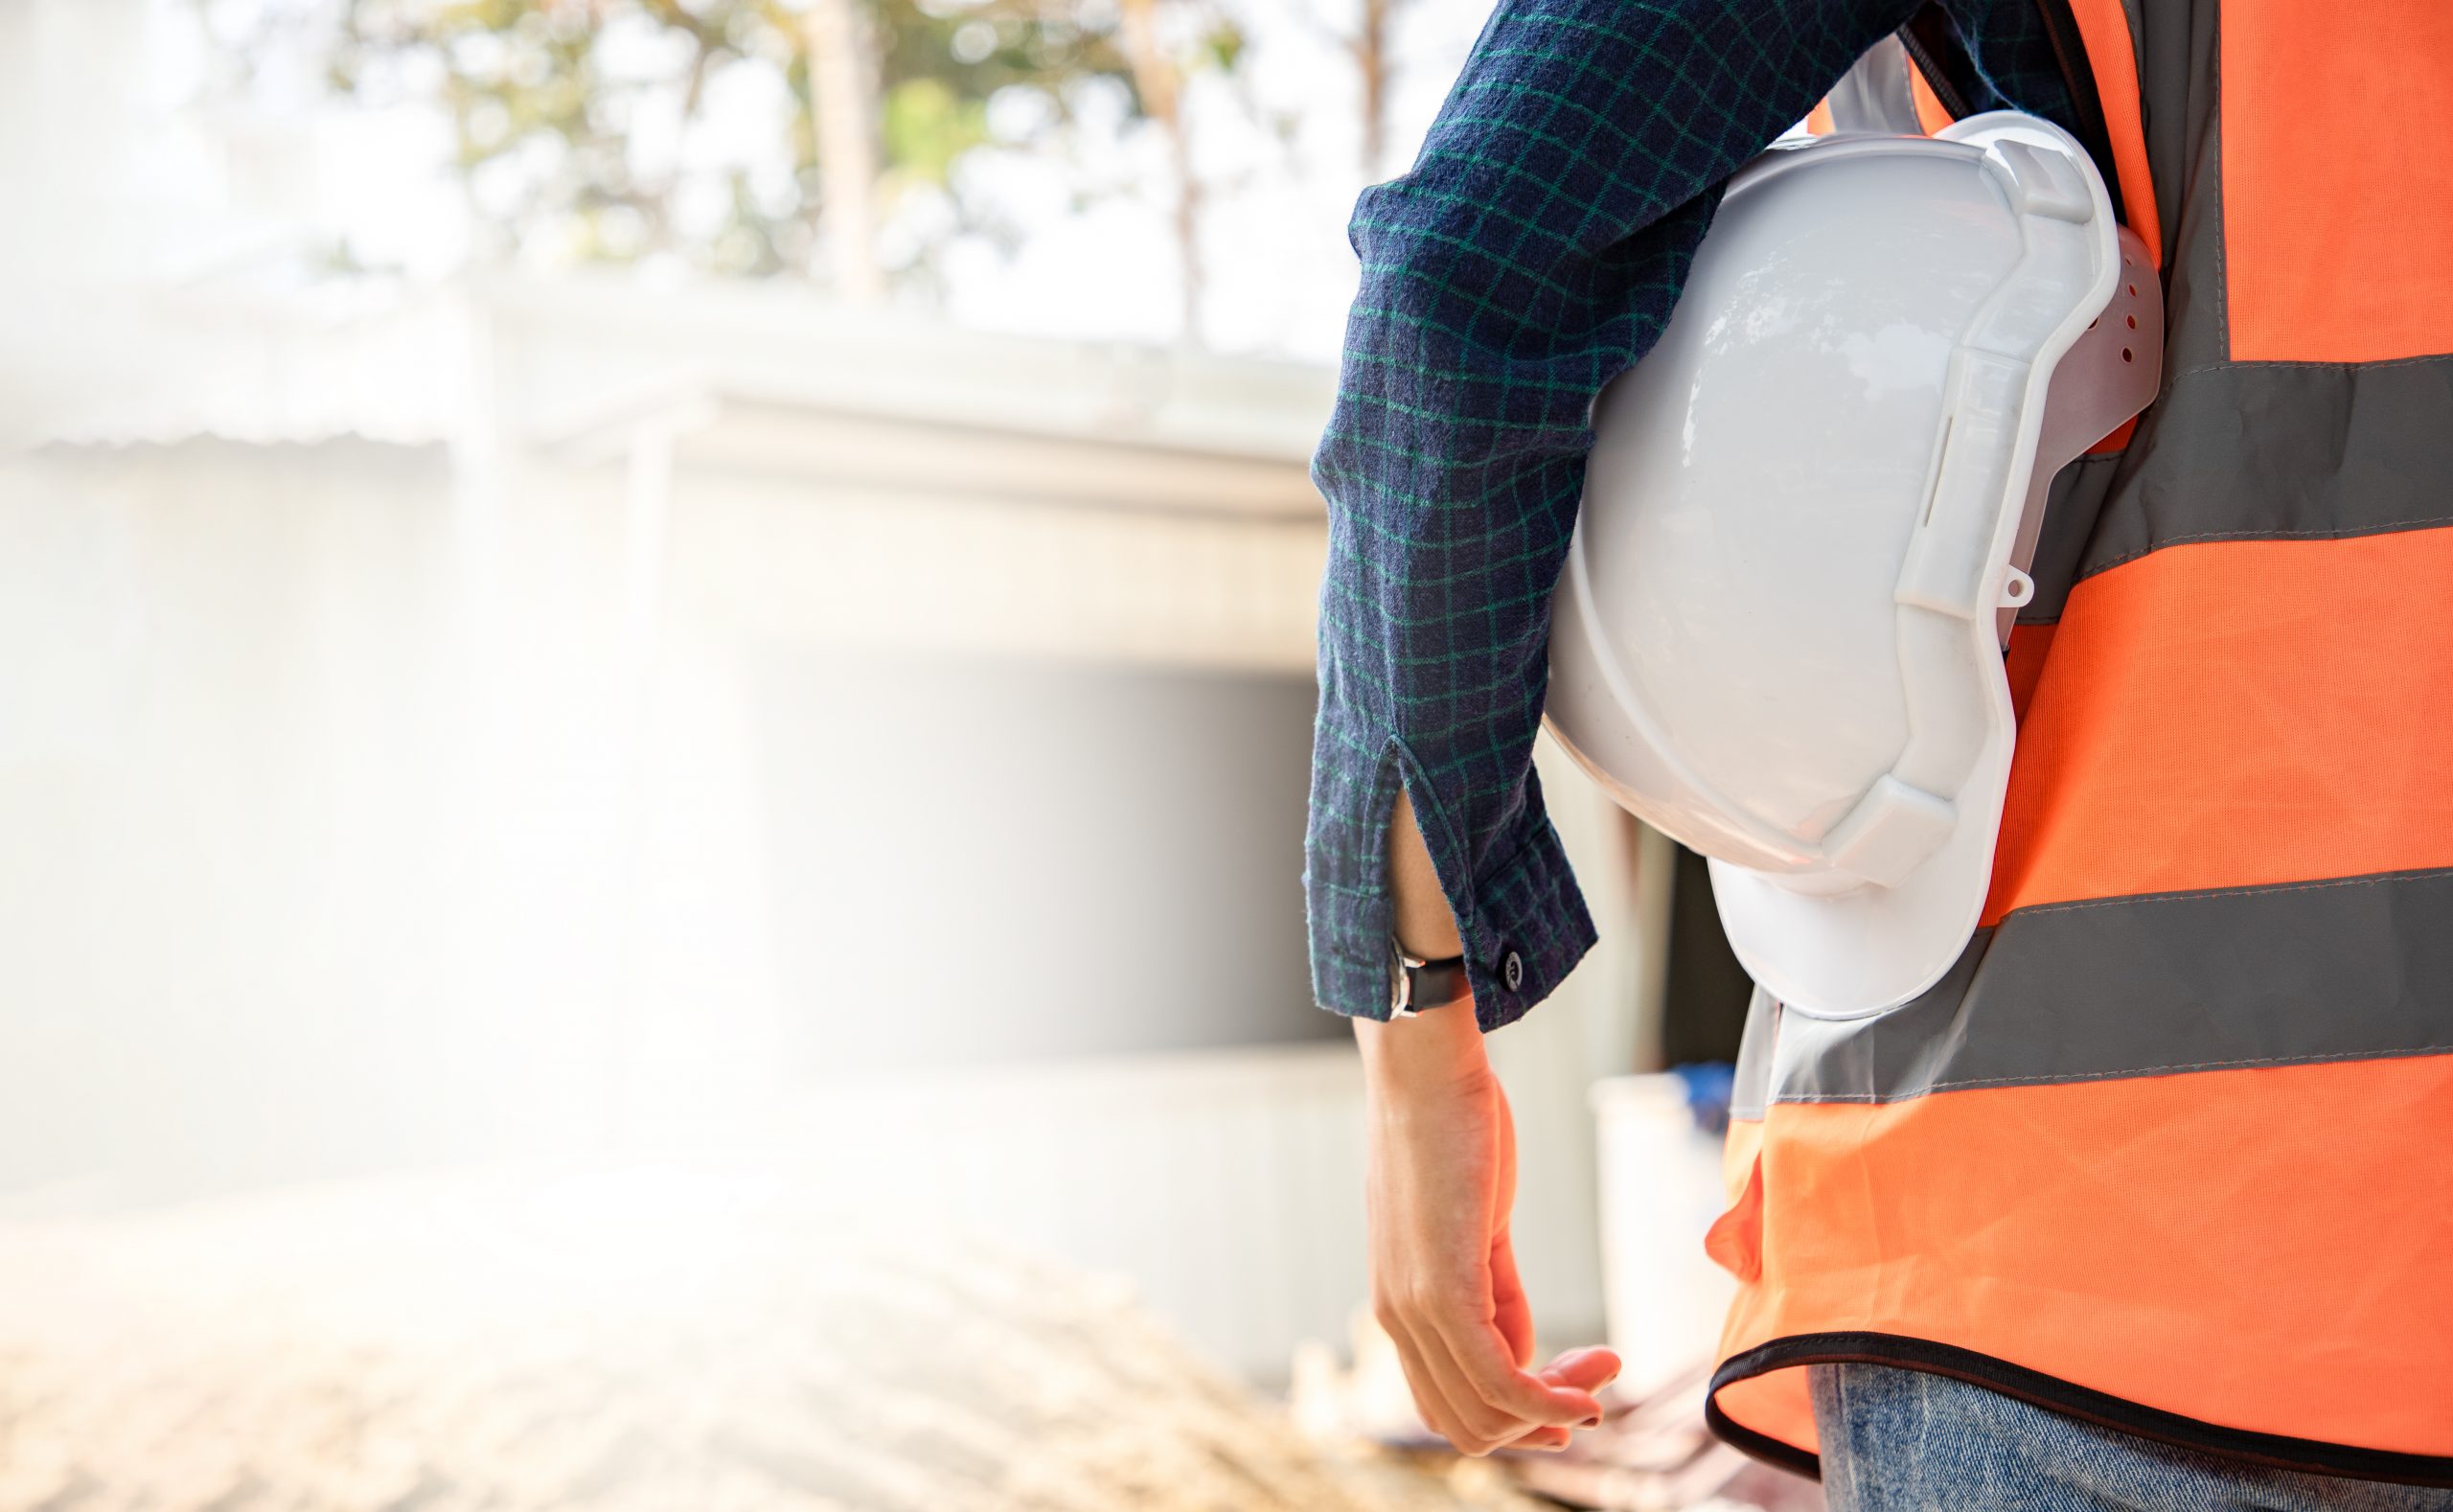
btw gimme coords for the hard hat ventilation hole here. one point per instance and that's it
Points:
(2133, 322)
(2126, 356)
(2133, 291)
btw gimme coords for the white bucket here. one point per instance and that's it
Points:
(1660, 1189)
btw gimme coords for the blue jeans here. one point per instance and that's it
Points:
(1903, 1441)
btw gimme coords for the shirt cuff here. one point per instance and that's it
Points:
(1524, 925)
(1531, 928)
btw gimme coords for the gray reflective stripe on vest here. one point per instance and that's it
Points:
(2257, 452)
(2351, 969)
(2285, 452)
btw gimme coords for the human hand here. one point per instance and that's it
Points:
(1440, 1185)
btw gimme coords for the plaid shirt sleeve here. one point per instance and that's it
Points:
(1532, 254)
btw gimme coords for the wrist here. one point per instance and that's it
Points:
(1421, 922)
(1427, 1055)
(1419, 914)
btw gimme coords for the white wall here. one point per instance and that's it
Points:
(357, 823)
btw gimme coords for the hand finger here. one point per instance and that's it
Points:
(1548, 1439)
(1478, 1356)
(1430, 1405)
(1486, 1426)
(1490, 1424)
(1586, 1369)
(1509, 1310)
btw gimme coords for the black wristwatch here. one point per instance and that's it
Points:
(1416, 985)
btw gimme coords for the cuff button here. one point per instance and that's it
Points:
(1512, 971)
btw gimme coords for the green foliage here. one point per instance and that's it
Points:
(1222, 47)
(567, 112)
(927, 126)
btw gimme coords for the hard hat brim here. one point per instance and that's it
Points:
(1874, 948)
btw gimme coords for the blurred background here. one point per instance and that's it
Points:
(652, 748)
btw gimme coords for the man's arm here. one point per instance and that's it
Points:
(1441, 1160)
(1533, 253)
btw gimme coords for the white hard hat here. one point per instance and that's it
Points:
(1806, 523)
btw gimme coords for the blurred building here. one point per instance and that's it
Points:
(515, 720)
(544, 717)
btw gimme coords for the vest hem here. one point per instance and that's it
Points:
(2273, 1450)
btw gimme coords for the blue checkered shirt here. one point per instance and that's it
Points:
(1531, 255)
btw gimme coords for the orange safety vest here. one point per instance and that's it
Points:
(2171, 1149)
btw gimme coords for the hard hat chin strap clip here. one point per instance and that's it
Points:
(1889, 833)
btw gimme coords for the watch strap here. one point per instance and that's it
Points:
(1416, 985)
